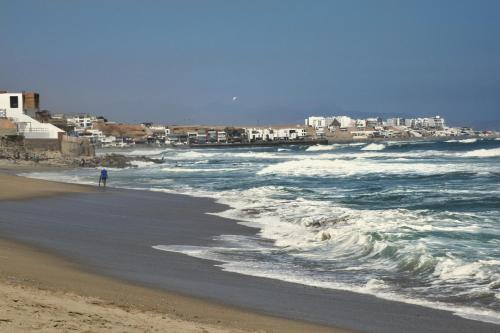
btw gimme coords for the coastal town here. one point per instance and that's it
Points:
(24, 124)
(232, 166)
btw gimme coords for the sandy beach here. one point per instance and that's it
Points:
(250, 167)
(37, 293)
(40, 291)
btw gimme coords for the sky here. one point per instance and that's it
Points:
(184, 61)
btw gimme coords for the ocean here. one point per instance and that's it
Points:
(412, 221)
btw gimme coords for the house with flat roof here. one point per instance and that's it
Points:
(12, 107)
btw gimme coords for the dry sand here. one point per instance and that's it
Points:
(17, 188)
(24, 309)
(42, 292)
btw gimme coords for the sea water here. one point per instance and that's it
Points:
(417, 222)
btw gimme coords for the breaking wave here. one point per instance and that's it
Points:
(321, 147)
(305, 232)
(364, 166)
(374, 146)
(472, 140)
(482, 153)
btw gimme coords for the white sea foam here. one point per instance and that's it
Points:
(472, 140)
(374, 286)
(482, 153)
(362, 166)
(468, 140)
(374, 146)
(199, 170)
(401, 143)
(321, 147)
(142, 164)
(348, 237)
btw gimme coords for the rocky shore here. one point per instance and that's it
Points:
(48, 160)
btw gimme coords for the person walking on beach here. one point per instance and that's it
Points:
(103, 177)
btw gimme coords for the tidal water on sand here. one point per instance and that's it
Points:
(417, 222)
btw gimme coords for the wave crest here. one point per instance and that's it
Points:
(374, 146)
(483, 153)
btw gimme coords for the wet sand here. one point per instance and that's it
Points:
(41, 293)
(41, 290)
(111, 233)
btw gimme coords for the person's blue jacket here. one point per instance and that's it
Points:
(104, 173)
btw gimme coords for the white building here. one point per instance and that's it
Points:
(82, 121)
(373, 122)
(275, 133)
(360, 123)
(409, 122)
(395, 122)
(290, 133)
(361, 135)
(320, 124)
(439, 122)
(221, 136)
(316, 122)
(428, 123)
(108, 141)
(11, 106)
(191, 136)
(344, 121)
(254, 134)
(94, 135)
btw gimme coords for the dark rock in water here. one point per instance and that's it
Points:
(116, 161)
(325, 236)
(149, 159)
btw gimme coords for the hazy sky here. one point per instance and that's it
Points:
(184, 61)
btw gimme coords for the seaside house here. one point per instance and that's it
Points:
(254, 134)
(201, 136)
(212, 136)
(221, 136)
(344, 121)
(373, 122)
(192, 137)
(315, 122)
(362, 134)
(275, 133)
(82, 121)
(360, 123)
(12, 106)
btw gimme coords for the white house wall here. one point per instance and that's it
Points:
(28, 127)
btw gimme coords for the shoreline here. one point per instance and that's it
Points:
(38, 270)
(323, 141)
(334, 294)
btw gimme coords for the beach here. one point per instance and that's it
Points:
(44, 291)
(84, 244)
(277, 167)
